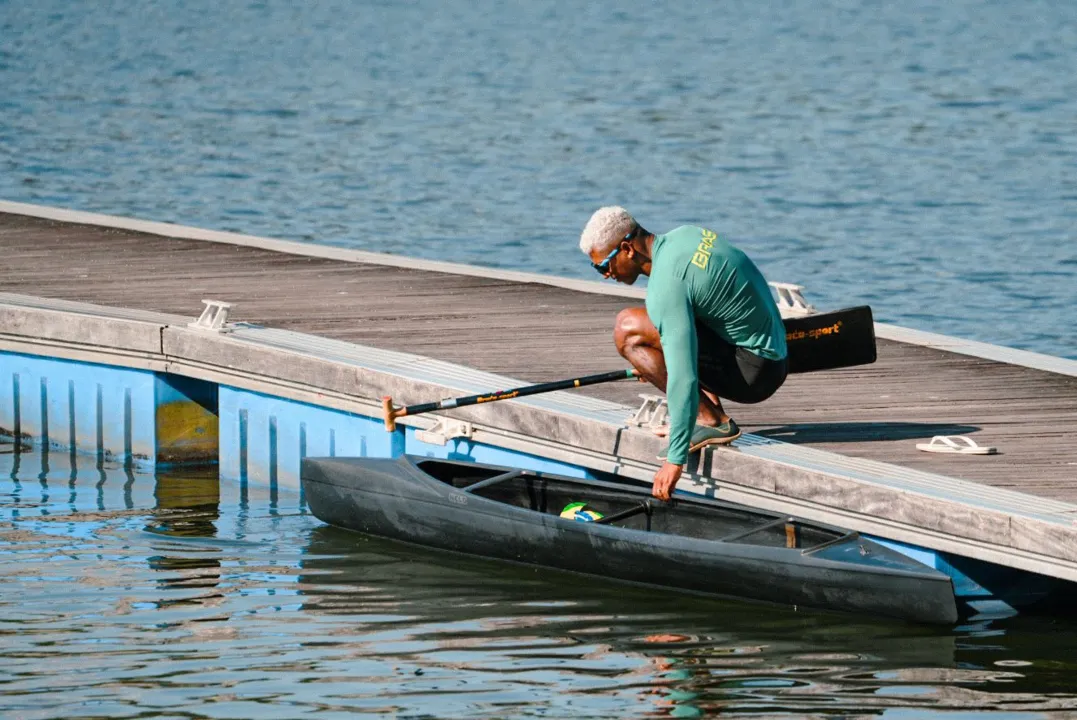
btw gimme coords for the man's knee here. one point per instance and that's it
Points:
(631, 328)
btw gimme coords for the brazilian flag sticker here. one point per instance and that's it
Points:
(577, 511)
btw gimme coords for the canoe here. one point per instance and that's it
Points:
(619, 531)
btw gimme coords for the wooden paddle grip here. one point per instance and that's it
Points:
(387, 413)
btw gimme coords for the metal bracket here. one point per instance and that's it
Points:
(213, 317)
(444, 430)
(791, 301)
(654, 413)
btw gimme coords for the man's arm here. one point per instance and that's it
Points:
(675, 320)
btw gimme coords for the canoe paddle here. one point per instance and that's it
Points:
(391, 413)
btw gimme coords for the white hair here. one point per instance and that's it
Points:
(606, 227)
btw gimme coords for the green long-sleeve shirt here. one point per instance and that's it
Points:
(696, 275)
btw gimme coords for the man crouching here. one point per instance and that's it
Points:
(710, 329)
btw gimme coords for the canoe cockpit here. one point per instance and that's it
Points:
(627, 506)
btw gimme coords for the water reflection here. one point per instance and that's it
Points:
(681, 653)
(187, 506)
(177, 595)
(687, 655)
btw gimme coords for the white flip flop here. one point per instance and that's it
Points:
(950, 444)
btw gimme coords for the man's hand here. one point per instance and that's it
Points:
(665, 480)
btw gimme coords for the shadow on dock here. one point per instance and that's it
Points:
(861, 431)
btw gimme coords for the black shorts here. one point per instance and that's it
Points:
(734, 373)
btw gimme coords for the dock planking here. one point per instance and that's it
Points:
(537, 332)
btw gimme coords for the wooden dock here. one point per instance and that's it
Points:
(535, 330)
(539, 332)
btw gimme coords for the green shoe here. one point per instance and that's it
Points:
(724, 434)
(704, 435)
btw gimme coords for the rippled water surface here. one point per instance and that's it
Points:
(129, 595)
(918, 156)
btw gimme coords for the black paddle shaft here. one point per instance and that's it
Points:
(392, 413)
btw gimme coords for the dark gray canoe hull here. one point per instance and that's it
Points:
(396, 499)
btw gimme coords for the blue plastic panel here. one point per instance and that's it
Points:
(264, 438)
(94, 408)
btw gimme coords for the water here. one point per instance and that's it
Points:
(916, 156)
(130, 595)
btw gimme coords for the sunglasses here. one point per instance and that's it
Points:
(604, 267)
